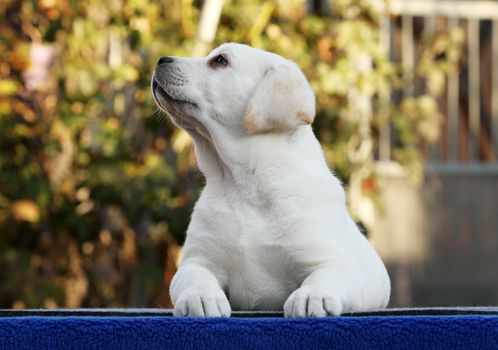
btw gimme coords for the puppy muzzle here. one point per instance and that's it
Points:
(169, 83)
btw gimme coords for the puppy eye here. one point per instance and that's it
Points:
(219, 61)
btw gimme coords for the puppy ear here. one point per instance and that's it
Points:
(282, 100)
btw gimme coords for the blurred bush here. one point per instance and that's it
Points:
(95, 186)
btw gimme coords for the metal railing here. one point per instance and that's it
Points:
(467, 145)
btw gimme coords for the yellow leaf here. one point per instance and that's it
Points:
(181, 141)
(8, 87)
(25, 210)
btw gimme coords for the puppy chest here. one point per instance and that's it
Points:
(253, 291)
(261, 277)
(255, 251)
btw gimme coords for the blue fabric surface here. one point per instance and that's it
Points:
(370, 332)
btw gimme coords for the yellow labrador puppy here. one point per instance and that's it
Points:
(270, 230)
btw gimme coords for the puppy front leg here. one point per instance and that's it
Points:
(195, 291)
(327, 291)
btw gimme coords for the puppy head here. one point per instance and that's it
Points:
(235, 87)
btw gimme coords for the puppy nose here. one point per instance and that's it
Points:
(165, 59)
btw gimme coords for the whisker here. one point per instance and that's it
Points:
(160, 116)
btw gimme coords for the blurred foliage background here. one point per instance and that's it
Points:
(96, 190)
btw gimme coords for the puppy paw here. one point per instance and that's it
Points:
(304, 302)
(197, 303)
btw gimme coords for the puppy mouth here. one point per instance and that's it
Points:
(165, 100)
(179, 110)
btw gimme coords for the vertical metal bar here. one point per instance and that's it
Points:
(453, 105)
(474, 94)
(430, 25)
(407, 54)
(385, 131)
(429, 30)
(208, 25)
(494, 93)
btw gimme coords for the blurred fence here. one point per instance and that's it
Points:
(441, 240)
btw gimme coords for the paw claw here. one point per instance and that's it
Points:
(304, 302)
(199, 304)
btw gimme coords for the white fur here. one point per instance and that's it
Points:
(270, 230)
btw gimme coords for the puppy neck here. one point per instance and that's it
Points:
(236, 160)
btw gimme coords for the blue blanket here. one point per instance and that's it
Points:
(89, 330)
